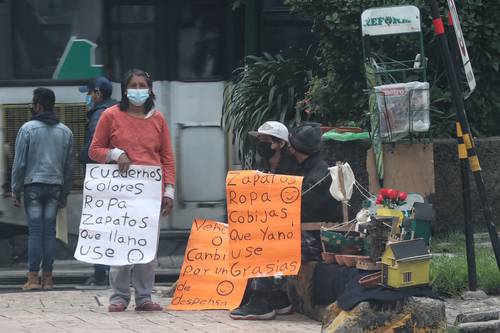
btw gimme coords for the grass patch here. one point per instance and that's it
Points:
(448, 274)
(454, 242)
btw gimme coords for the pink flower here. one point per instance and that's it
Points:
(403, 196)
(380, 198)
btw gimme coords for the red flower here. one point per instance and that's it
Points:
(384, 192)
(403, 196)
(392, 194)
(380, 198)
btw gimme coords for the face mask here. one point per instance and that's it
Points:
(89, 101)
(137, 96)
(264, 149)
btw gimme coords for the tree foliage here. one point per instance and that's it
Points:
(337, 23)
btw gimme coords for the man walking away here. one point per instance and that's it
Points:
(42, 170)
(98, 99)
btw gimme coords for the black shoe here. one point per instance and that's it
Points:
(280, 303)
(257, 308)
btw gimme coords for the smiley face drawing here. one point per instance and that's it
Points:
(135, 256)
(225, 288)
(289, 194)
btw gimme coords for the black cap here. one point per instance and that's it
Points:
(306, 138)
(101, 83)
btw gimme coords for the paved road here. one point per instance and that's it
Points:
(86, 311)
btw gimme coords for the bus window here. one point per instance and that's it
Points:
(41, 30)
(133, 38)
(201, 49)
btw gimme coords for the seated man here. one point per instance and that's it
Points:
(318, 205)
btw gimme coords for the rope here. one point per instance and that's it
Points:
(361, 192)
(356, 183)
(316, 184)
(361, 186)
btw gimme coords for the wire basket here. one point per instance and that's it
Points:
(403, 109)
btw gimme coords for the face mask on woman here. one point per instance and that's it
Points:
(264, 149)
(137, 96)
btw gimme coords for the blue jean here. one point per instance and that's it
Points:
(41, 202)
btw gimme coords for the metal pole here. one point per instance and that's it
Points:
(462, 118)
(464, 170)
(469, 227)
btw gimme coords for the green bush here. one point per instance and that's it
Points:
(337, 24)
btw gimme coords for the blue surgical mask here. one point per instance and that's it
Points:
(137, 96)
(89, 101)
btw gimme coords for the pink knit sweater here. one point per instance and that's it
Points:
(145, 141)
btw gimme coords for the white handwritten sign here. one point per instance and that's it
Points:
(120, 214)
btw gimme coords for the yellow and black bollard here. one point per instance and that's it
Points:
(469, 227)
(458, 102)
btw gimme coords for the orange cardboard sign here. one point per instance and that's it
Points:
(204, 282)
(264, 224)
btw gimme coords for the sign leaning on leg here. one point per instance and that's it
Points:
(120, 215)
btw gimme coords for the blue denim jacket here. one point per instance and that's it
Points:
(44, 154)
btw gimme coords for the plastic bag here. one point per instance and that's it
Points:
(403, 107)
(349, 180)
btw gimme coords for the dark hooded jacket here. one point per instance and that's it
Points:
(93, 116)
(318, 205)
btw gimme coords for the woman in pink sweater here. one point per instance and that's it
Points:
(134, 132)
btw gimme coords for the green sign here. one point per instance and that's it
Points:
(78, 61)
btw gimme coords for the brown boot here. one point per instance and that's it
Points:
(33, 282)
(47, 283)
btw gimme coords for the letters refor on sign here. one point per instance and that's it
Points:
(119, 224)
(264, 224)
(204, 282)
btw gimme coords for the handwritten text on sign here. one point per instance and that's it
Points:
(119, 224)
(204, 282)
(264, 223)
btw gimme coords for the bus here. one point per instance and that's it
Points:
(189, 47)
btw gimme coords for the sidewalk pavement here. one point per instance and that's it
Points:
(71, 271)
(85, 311)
